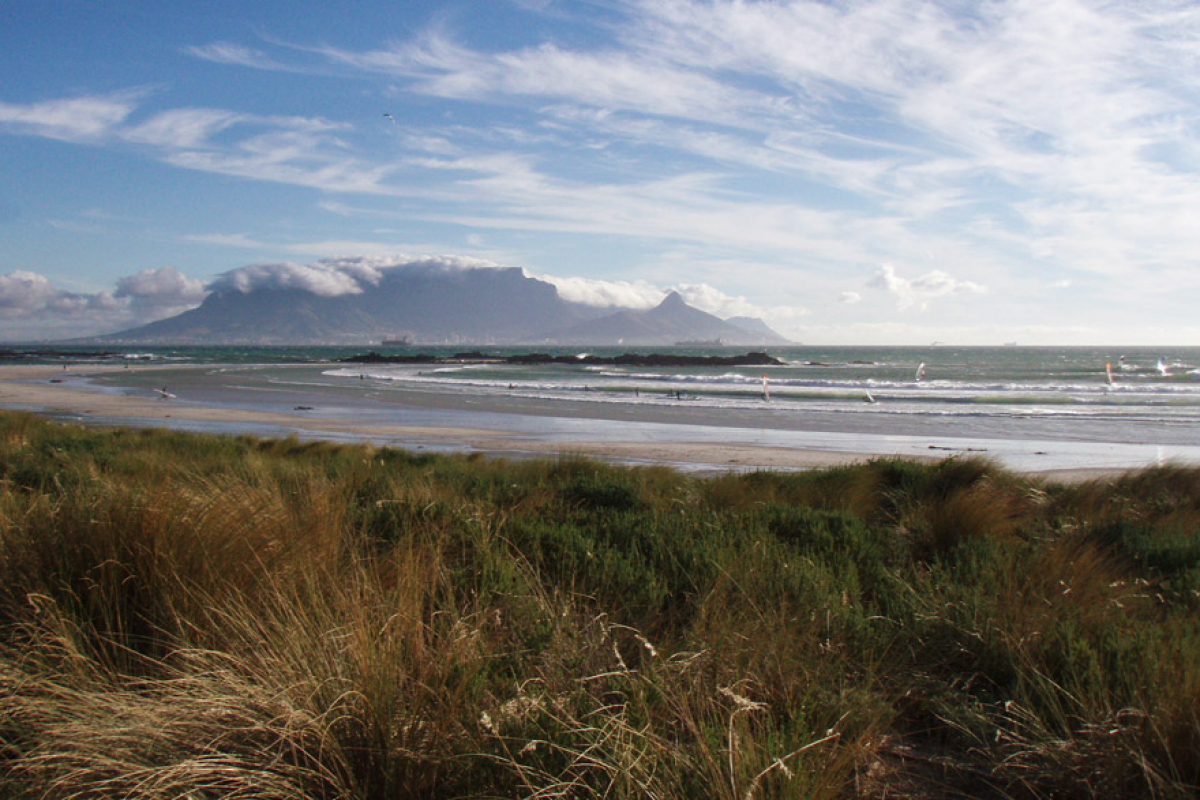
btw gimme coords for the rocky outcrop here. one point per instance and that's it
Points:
(625, 359)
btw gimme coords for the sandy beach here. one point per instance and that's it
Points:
(254, 401)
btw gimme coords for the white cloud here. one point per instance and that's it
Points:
(334, 277)
(228, 240)
(236, 54)
(71, 119)
(320, 279)
(162, 292)
(31, 306)
(323, 248)
(292, 151)
(919, 291)
(850, 298)
(183, 127)
(807, 135)
(947, 102)
(29, 296)
(24, 292)
(714, 301)
(606, 79)
(644, 295)
(298, 150)
(593, 292)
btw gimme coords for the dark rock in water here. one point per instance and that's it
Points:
(10, 354)
(378, 358)
(540, 358)
(673, 360)
(626, 359)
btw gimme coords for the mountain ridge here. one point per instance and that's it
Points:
(672, 321)
(430, 304)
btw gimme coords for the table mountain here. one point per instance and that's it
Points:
(434, 301)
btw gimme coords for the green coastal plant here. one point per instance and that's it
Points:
(193, 616)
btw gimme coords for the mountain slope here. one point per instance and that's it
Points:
(671, 321)
(429, 305)
(758, 327)
(430, 301)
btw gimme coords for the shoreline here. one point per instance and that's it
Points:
(244, 399)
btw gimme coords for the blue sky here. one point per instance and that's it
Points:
(881, 171)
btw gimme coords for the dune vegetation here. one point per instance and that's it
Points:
(201, 616)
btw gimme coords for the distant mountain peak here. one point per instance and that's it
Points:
(671, 301)
(671, 322)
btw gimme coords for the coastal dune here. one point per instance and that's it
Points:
(198, 615)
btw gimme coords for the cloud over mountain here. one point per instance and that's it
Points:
(334, 277)
(593, 292)
(357, 300)
(29, 300)
(319, 279)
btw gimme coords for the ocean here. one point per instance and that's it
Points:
(1042, 394)
(1031, 392)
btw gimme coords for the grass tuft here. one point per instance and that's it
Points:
(187, 616)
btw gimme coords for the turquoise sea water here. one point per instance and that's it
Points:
(1051, 393)
(1044, 393)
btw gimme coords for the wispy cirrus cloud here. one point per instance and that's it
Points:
(238, 55)
(183, 128)
(288, 157)
(73, 119)
(615, 79)
(1013, 144)
(917, 109)
(304, 151)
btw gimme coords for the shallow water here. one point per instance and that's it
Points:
(1030, 408)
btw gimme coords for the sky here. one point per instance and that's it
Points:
(857, 172)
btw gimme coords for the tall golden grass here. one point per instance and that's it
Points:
(186, 616)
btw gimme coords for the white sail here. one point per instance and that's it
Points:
(766, 389)
(920, 372)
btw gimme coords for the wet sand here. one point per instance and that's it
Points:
(298, 400)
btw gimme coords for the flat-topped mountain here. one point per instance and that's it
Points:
(430, 301)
